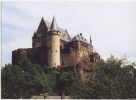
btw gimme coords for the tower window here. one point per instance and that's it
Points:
(55, 63)
(56, 50)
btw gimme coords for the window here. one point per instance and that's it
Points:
(91, 58)
(56, 50)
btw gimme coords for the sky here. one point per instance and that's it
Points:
(111, 24)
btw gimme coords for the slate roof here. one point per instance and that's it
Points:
(80, 37)
(54, 26)
(64, 34)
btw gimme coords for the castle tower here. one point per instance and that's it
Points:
(39, 38)
(54, 45)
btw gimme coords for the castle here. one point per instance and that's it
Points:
(52, 46)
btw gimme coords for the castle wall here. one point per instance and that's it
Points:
(72, 53)
(68, 57)
(75, 53)
(40, 40)
(35, 55)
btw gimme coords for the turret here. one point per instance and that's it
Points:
(54, 45)
(90, 40)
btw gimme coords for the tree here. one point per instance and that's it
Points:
(25, 80)
(64, 80)
(113, 79)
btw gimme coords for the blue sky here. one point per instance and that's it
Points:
(112, 25)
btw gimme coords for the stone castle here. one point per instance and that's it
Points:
(52, 46)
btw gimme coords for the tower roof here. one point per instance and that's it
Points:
(80, 37)
(54, 26)
(90, 40)
(42, 28)
(64, 34)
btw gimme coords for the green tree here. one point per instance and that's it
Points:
(25, 80)
(64, 80)
(113, 79)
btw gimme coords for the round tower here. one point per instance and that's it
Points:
(54, 45)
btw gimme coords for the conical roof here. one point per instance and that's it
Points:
(54, 26)
(90, 40)
(42, 28)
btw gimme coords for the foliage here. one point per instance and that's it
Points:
(25, 80)
(64, 82)
(113, 78)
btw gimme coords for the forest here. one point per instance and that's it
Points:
(113, 78)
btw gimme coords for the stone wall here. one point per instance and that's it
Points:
(75, 52)
(35, 55)
(71, 54)
(39, 40)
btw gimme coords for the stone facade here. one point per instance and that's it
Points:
(52, 46)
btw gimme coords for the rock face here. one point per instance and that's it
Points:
(63, 50)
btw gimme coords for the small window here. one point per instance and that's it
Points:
(56, 50)
(55, 63)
